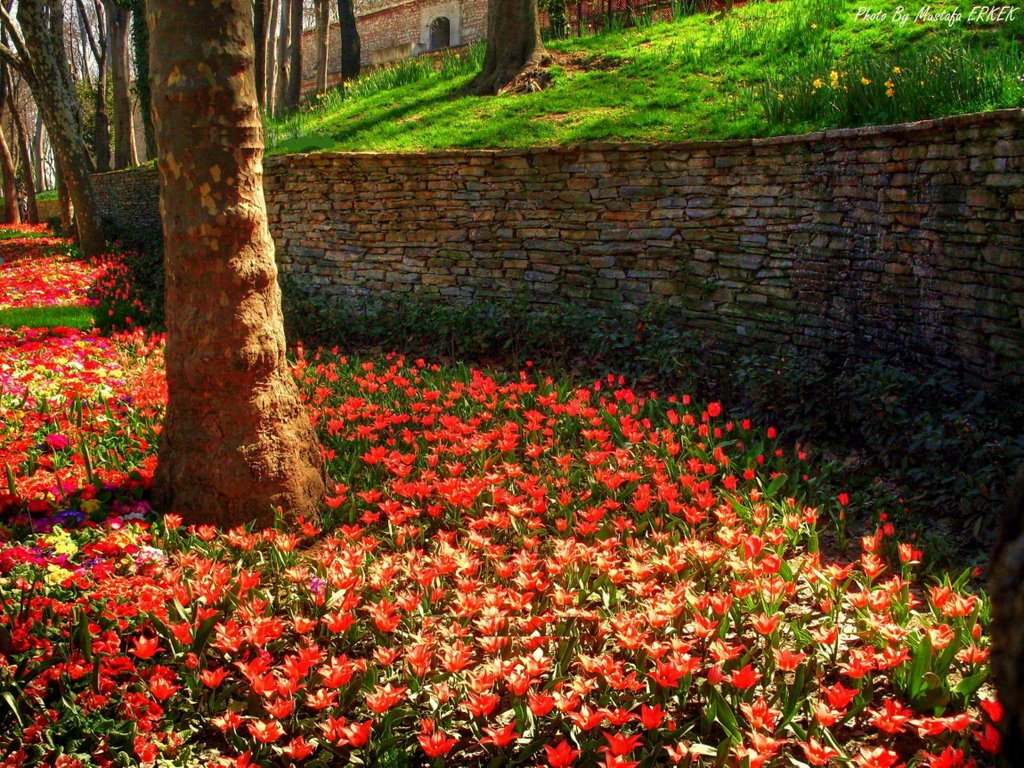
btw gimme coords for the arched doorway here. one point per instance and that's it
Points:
(440, 33)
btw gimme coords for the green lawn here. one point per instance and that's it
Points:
(762, 69)
(47, 317)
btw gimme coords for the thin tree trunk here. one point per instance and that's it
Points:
(26, 166)
(350, 43)
(259, 26)
(270, 65)
(295, 55)
(236, 441)
(140, 42)
(118, 27)
(64, 204)
(513, 43)
(11, 213)
(42, 24)
(37, 156)
(101, 133)
(323, 27)
(283, 62)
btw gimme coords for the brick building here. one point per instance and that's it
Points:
(391, 30)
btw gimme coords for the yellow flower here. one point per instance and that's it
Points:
(834, 79)
(818, 83)
(814, 25)
(782, 97)
(896, 70)
(90, 505)
(57, 575)
(865, 81)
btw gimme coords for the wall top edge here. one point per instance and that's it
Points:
(941, 124)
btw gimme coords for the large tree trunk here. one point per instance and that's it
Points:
(259, 27)
(118, 28)
(42, 24)
(283, 61)
(270, 65)
(323, 27)
(349, 40)
(236, 441)
(513, 43)
(295, 56)
(1007, 590)
(26, 166)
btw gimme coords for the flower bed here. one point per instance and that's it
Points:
(507, 572)
(32, 274)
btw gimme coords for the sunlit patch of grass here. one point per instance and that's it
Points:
(47, 317)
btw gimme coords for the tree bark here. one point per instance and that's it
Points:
(350, 44)
(101, 134)
(118, 28)
(64, 206)
(283, 60)
(270, 65)
(37, 154)
(26, 166)
(12, 214)
(295, 56)
(236, 441)
(1007, 590)
(323, 27)
(10, 175)
(259, 26)
(513, 44)
(48, 76)
(140, 42)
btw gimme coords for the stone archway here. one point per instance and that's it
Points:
(440, 33)
(440, 26)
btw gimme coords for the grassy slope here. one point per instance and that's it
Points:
(699, 77)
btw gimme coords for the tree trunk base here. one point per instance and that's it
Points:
(1007, 590)
(239, 473)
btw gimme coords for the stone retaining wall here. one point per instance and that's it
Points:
(898, 240)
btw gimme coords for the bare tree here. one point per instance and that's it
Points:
(323, 28)
(350, 44)
(513, 43)
(295, 56)
(38, 54)
(236, 441)
(26, 162)
(118, 16)
(283, 59)
(98, 46)
(270, 58)
(10, 175)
